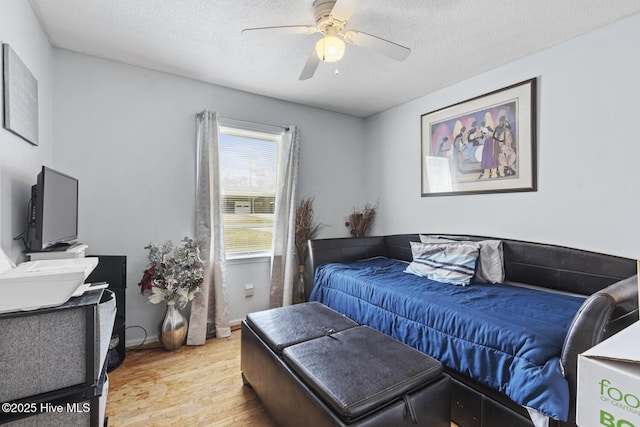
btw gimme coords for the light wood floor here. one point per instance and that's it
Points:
(194, 386)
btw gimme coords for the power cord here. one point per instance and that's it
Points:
(22, 236)
(144, 340)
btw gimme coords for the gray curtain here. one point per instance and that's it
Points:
(209, 309)
(283, 260)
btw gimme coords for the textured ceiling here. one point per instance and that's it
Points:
(451, 40)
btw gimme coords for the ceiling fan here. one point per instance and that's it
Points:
(331, 17)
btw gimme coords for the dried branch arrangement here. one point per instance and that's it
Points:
(306, 227)
(359, 221)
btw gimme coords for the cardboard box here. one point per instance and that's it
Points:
(609, 382)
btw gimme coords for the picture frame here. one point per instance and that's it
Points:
(485, 144)
(20, 97)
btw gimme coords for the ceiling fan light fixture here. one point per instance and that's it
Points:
(330, 48)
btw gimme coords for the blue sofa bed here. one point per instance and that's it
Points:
(510, 348)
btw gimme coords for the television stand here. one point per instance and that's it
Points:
(58, 247)
(62, 246)
(76, 250)
(55, 369)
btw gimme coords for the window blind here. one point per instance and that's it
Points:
(248, 174)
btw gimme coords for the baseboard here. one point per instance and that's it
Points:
(156, 344)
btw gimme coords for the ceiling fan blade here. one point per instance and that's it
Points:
(310, 67)
(382, 46)
(344, 9)
(276, 31)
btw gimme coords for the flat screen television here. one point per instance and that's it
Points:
(54, 211)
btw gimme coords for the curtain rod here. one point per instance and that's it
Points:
(244, 123)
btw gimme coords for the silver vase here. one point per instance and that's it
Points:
(173, 329)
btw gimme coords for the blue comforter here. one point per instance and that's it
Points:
(506, 337)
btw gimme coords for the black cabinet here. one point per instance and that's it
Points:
(113, 270)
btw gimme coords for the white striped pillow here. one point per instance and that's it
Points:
(490, 268)
(453, 263)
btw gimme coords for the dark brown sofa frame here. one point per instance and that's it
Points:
(608, 281)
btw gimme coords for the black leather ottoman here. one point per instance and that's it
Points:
(285, 326)
(341, 374)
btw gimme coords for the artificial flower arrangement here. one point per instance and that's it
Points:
(174, 274)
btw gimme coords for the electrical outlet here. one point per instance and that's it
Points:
(248, 290)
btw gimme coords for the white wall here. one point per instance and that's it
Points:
(588, 152)
(128, 135)
(21, 161)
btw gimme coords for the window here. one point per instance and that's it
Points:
(248, 175)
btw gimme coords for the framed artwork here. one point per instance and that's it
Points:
(20, 97)
(483, 145)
